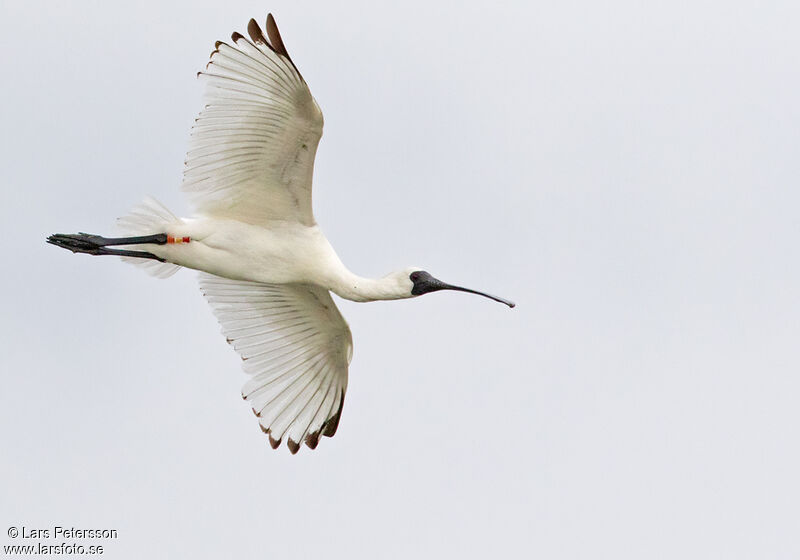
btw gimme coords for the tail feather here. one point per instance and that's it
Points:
(149, 217)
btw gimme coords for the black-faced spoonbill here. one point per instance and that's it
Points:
(265, 265)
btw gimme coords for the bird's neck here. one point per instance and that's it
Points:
(356, 288)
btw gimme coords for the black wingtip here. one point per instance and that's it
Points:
(255, 32)
(275, 37)
(330, 427)
(273, 442)
(312, 440)
(277, 44)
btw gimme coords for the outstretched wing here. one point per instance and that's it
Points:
(296, 346)
(251, 150)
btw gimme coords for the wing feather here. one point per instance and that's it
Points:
(251, 150)
(295, 345)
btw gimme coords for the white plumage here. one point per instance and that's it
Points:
(295, 345)
(266, 267)
(251, 152)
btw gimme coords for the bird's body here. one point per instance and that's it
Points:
(265, 266)
(279, 252)
(276, 253)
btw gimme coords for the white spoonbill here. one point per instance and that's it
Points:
(265, 265)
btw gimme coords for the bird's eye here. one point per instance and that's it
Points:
(414, 276)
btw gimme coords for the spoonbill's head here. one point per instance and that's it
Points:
(423, 283)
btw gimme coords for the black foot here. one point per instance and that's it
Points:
(97, 245)
(80, 243)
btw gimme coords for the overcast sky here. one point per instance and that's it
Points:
(626, 172)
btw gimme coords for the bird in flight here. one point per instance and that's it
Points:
(265, 266)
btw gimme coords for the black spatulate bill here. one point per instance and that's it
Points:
(424, 283)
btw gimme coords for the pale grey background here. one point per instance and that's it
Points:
(626, 171)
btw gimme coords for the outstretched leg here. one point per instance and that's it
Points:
(97, 245)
